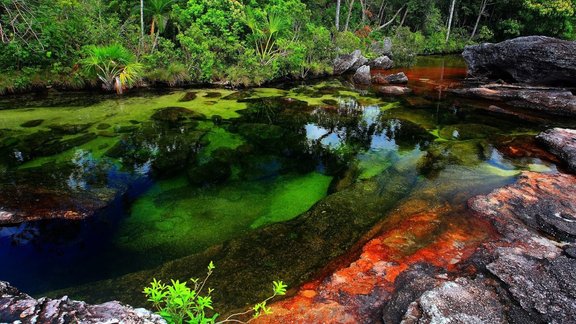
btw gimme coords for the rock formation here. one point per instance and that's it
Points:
(18, 307)
(535, 60)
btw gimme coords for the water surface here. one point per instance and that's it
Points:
(268, 183)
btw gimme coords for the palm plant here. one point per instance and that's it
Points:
(265, 35)
(114, 65)
(159, 12)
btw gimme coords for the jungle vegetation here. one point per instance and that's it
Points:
(119, 43)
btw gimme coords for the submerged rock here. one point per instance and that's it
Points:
(189, 96)
(561, 142)
(534, 60)
(175, 115)
(18, 307)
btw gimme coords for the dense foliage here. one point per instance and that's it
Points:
(247, 41)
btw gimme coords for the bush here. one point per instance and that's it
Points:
(178, 303)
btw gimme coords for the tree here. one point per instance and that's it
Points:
(337, 23)
(450, 20)
(480, 13)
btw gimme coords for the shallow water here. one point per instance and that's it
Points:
(269, 182)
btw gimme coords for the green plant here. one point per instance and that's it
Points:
(178, 303)
(114, 65)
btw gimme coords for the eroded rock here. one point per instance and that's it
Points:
(18, 307)
(344, 63)
(396, 78)
(562, 143)
(381, 63)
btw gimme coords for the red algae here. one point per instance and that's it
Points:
(433, 236)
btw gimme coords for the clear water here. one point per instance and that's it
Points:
(268, 183)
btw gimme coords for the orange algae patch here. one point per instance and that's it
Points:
(421, 237)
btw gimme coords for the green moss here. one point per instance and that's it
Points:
(372, 164)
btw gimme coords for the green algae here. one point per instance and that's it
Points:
(179, 219)
(293, 198)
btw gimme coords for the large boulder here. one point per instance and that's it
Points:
(536, 60)
(18, 307)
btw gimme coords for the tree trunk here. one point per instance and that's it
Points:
(349, 14)
(450, 20)
(142, 18)
(338, 15)
(480, 13)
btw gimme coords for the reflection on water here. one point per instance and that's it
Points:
(175, 182)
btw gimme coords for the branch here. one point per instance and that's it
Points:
(391, 20)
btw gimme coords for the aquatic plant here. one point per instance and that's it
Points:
(178, 303)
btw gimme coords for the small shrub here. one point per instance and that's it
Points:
(178, 303)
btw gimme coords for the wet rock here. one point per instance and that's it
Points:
(459, 301)
(549, 101)
(345, 63)
(381, 63)
(239, 95)
(32, 123)
(69, 129)
(562, 143)
(18, 307)
(175, 116)
(405, 133)
(443, 154)
(362, 75)
(535, 60)
(397, 78)
(188, 96)
(392, 90)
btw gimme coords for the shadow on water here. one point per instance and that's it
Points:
(267, 183)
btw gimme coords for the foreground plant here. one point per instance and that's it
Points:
(178, 303)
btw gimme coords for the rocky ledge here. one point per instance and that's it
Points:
(562, 143)
(18, 307)
(535, 73)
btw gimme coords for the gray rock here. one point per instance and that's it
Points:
(459, 301)
(18, 307)
(533, 60)
(381, 63)
(362, 75)
(345, 63)
(545, 289)
(562, 143)
(382, 48)
(396, 78)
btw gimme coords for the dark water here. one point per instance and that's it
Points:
(223, 175)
